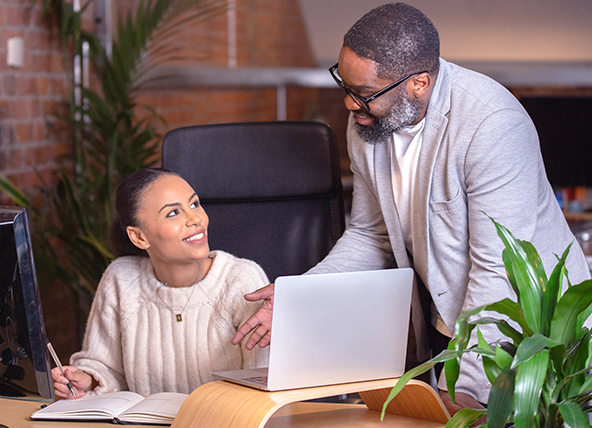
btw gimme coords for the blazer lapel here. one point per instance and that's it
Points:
(435, 127)
(384, 187)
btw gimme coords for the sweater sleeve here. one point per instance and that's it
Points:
(101, 354)
(248, 278)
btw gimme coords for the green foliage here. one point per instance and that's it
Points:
(540, 376)
(71, 219)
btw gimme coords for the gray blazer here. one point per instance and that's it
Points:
(480, 154)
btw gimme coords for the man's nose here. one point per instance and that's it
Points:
(350, 104)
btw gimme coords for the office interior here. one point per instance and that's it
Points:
(262, 60)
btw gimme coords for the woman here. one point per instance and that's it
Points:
(166, 309)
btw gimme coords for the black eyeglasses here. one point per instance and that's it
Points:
(364, 102)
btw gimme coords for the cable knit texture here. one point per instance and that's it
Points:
(133, 341)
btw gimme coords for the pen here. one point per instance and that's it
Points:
(57, 362)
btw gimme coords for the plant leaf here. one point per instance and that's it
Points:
(501, 399)
(531, 346)
(465, 418)
(574, 301)
(530, 376)
(575, 366)
(416, 371)
(503, 326)
(522, 264)
(552, 292)
(502, 358)
(512, 310)
(492, 371)
(13, 192)
(573, 416)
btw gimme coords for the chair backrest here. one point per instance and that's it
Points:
(272, 190)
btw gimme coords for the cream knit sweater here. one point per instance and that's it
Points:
(133, 341)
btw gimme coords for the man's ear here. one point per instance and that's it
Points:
(420, 85)
(137, 237)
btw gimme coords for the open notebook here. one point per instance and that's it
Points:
(335, 328)
(118, 407)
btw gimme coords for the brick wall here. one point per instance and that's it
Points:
(269, 33)
(29, 96)
(31, 139)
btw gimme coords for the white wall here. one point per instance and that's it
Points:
(472, 30)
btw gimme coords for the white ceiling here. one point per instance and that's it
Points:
(471, 30)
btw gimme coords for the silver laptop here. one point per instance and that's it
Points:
(335, 328)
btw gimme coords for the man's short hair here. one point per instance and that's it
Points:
(399, 37)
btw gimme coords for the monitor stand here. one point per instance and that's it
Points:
(224, 404)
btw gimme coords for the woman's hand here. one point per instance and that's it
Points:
(80, 380)
(260, 321)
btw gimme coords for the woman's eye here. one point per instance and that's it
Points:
(195, 205)
(173, 213)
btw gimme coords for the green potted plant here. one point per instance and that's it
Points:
(539, 376)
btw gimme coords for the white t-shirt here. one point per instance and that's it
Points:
(405, 148)
(404, 153)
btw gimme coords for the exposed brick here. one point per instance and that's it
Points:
(39, 62)
(3, 109)
(24, 132)
(40, 131)
(20, 15)
(57, 63)
(58, 86)
(14, 160)
(26, 85)
(28, 180)
(9, 85)
(23, 108)
(42, 84)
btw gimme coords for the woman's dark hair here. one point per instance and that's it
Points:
(399, 38)
(127, 204)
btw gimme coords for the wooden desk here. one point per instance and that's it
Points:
(15, 414)
(221, 404)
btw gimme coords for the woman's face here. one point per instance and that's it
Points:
(173, 225)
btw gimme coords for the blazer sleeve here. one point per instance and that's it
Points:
(504, 178)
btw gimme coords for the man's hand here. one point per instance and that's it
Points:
(462, 401)
(260, 321)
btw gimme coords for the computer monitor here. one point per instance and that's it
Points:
(25, 370)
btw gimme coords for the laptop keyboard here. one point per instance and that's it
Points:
(260, 380)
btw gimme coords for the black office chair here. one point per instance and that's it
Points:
(272, 189)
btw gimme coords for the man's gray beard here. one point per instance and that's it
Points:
(403, 113)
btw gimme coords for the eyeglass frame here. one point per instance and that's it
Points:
(366, 100)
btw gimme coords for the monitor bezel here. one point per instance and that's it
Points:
(31, 304)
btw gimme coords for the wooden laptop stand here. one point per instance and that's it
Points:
(223, 404)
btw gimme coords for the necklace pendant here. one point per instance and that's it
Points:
(179, 317)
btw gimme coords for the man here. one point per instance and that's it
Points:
(435, 150)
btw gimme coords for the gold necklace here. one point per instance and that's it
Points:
(179, 316)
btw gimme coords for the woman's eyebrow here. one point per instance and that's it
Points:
(174, 204)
